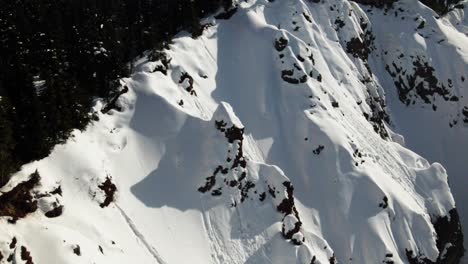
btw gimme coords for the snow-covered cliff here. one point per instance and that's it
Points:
(286, 133)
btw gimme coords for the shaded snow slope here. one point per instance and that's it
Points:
(268, 140)
(434, 123)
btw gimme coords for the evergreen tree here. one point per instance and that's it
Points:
(56, 56)
(7, 142)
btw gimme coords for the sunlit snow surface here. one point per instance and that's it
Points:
(159, 152)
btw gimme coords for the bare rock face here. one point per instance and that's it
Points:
(20, 202)
(449, 241)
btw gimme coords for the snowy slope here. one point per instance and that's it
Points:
(437, 130)
(268, 140)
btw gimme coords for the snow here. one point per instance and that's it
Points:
(439, 142)
(360, 198)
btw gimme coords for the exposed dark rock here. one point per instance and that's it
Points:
(307, 17)
(210, 182)
(422, 84)
(287, 207)
(318, 150)
(233, 134)
(189, 88)
(19, 202)
(217, 192)
(361, 48)
(357, 153)
(313, 261)
(311, 58)
(242, 176)
(298, 242)
(13, 243)
(109, 189)
(271, 191)
(281, 44)
(384, 204)
(297, 67)
(289, 234)
(245, 189)
(165, 61)
(449, 237)
(77, 250)
(26, 255)
(421, 25)
(303, 79)
(233, 183)
(57, 190)
(220, 125)
(465, 114)
(339, 23)
(57, 211)
(202, 28)
(112, 103)
(449, 241)
(417, 258)
(286, 76)
(378, 116)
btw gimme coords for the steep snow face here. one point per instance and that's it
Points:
(435, 119)
(267, 140)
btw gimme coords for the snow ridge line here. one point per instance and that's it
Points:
(141, 237)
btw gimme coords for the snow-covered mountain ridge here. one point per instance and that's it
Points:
(284, 134)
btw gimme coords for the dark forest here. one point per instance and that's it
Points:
(57, 56)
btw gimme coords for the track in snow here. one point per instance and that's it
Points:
(141, 237)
